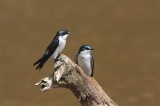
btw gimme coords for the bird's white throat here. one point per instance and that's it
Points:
(61, 45)
(63, 37)
(86, 52)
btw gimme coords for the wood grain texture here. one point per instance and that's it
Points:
(69, 75)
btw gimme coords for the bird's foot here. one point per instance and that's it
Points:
(58, 58)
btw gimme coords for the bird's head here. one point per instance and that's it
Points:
(85, 49)
(63, 33)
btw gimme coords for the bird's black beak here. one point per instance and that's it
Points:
(91, 49)
(69, 32)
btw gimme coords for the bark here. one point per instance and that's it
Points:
(69, 75)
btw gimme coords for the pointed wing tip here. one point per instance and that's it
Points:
(38, 68)
(35, 63)
(91, 75)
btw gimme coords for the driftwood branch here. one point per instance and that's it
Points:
(69, 75)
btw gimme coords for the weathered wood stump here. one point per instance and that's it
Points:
(69, 75)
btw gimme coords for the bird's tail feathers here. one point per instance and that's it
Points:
(37, 61)
(41, 62)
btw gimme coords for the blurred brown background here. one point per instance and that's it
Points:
(125, 35)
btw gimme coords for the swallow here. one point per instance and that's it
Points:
(85, 59)
(54, 49)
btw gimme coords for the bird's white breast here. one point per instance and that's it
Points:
(61, 45)
(84, 62)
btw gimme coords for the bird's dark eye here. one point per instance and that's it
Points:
(86, 48)
(65, 33)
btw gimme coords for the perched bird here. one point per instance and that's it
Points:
(85, 59)
(54, 49)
